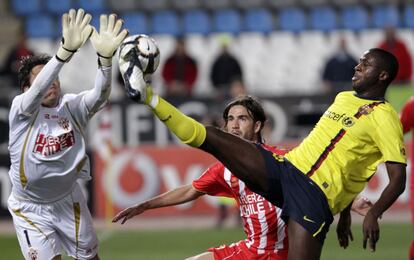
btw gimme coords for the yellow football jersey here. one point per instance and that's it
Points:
(343, 150)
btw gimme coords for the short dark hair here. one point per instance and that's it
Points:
(254, 108)
(387, 61)
(26, 66)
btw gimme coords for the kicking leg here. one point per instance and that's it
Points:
(242, 158)
(302, 245)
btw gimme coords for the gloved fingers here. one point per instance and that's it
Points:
(65, 21)
(103, 23)
(72, 16)
(111, 22)
(87, 32)
(79, 16)
(86, 20)
(118, 26)
(121, 36)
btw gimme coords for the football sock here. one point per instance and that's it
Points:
(185, 128)
(412, 250)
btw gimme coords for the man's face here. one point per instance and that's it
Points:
(240, 123)
(366, 73)
(52, 95)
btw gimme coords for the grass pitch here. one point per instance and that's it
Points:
(179, 244)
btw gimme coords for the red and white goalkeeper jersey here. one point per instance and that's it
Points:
(263, 225)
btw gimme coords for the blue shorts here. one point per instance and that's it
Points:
(297, 195)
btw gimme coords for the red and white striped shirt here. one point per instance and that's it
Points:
(265, 229)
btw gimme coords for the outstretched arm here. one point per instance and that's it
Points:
(177, 196)
(105, 43)
(396, 186)
(75, 32)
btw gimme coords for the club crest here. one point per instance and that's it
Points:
(64, 123)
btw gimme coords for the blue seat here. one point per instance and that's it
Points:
(41, 26)
(24, 7)
(196, 21)
(58, 7)
(258, 20)
(227, 20)
(323, 19)
(386, 15)
(354, 18)
(166, 22)
(93, 6)
(136, 23)
(292, 19)
(408, 15)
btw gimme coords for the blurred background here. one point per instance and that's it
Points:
(295, 55)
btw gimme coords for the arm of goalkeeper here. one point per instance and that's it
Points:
(76, 30)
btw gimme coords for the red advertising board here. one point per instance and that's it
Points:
(130, 176)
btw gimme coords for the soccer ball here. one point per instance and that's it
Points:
(139, 50)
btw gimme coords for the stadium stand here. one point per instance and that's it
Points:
(166, 22)
(124, 5)
(184, 5)
(354, 18)
(265, 33)
(57, 7)
(227, 20)
(196, 21)
(23, 7)
(259, 20)
(408, 15)
(137, 23)
(293, 19)
(385, 15)
(323, 18)
(40, 26)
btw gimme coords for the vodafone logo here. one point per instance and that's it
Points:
(142, 166)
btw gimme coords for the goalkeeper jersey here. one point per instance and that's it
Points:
(345, 147)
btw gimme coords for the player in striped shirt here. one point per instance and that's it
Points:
(47, 145)
(323, 175)
(407, 120)
(266, 231)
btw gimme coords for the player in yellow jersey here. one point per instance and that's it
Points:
(323, 175)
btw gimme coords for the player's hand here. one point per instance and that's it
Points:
(130, 212)
(370, 229)
(361, 205)
(108, 39)
(76, 30)
(343, 230)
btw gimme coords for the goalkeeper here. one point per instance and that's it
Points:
(47, 144)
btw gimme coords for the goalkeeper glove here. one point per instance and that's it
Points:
(75, 32)
(108, 39)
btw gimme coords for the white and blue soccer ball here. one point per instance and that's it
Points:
(139, 51)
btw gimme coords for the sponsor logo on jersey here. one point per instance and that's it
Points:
(49, 145)
(345, 120)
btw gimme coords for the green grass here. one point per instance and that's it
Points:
(178, 244)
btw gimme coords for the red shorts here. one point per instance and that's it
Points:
(239, 250)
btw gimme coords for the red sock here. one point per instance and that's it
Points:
(412, 250)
